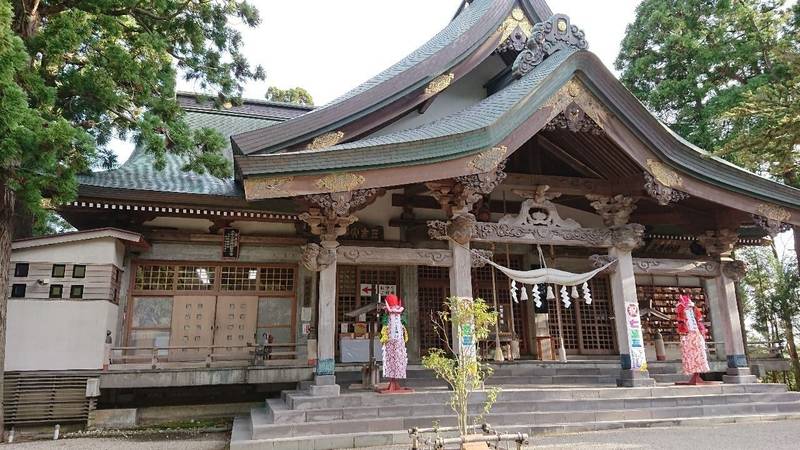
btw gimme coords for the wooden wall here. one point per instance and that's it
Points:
(100, 283)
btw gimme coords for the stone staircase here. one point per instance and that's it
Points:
(362, 419)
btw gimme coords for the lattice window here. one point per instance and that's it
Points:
(346, 292)
(664, 299)
(239, 278)
(277, 279)
(568, 320)
(432, 291)
(155, 278)
(432, 273)
(377, 276)
(597, 327)
(196, 278)
(482, 287)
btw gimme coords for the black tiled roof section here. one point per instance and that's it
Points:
(138, 172)
(249, 107)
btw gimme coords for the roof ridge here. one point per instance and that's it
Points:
(251, 101)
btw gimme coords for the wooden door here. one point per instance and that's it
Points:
(235, 325)
(192, 326)
(433, 289)
(597, 332)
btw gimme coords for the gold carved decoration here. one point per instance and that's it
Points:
(574, 91)
(266, 187)
(340, 182)
(516, 19)
(774, 212)
(664, 174)
(326, 140)
(488, 159)
(439, 83)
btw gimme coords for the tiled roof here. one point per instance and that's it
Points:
(138, 173)
(392, 82)
(445, 138)
(253, 108)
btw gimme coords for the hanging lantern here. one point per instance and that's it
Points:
(524, 295)
(565, 297)
(513, 291)
(574, 293)
(587, 295)
(537, 296)
(550, 295)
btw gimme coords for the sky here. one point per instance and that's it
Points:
(329, 47)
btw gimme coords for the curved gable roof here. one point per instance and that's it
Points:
(468, 30)
(494, 120)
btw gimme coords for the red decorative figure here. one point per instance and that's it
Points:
(393, 337)
(693, 342)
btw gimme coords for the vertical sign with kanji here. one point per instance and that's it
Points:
(230, 243)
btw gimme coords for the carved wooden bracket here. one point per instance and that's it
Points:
(627, 237)
(615, 211)
(548, 37)
(735, 270)
(479, 257)
(773, 227)
(316, 257)
(332, 213)
(459, 195)
(718, 242)
(574, 119)
(538, 210)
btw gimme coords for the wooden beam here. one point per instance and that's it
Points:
(565, 157)
(175, 236)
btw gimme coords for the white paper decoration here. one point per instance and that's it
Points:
(565, 297)
(524, 295)
(587, 295)
(537, 296)
(513, 291)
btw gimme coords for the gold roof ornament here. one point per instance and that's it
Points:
(326, 140)
(488, 159)
(439, 83)
(664, 174)
(774, 212)
(266, 187)
(515, 19)
(340, 182)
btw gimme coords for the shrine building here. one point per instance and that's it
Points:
(501, 137)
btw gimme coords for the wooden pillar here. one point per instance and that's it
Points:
(325, 377)
(460, 280)
(410, 296)
(633, 365)
(738, 370)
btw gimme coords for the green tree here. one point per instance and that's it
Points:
(74, 74)
(690, 61)
(461, 368)
(772, 288)
(296, 95)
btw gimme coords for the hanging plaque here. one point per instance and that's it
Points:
(230, 243)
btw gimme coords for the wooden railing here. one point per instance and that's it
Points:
(191, 355)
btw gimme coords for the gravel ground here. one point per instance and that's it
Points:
(781, 435)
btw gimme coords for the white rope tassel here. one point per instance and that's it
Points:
(513, 291)
(550, 295)
(565, 297)
(537, 296)
(587, 295)
(574, 293)
(524, 296)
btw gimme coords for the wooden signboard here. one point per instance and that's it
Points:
(230, 243)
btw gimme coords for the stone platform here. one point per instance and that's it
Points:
(575, 397)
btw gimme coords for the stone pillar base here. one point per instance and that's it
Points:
(738, 375)
(635, 378)
(324, 385)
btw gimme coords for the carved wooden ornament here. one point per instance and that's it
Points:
(439, 83)
(340, 182)
(326, 140)
(773, 212)
(266, 187)
(488, 159)
(516, 20)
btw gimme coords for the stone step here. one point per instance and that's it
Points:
(554, 379)
(302, 400)
(377, 439)
(368, 425)
(280, 415)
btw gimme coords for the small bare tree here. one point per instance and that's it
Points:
(458, 363)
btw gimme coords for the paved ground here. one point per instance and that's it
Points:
(782, 435)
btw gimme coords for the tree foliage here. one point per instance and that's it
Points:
(460, 366)
(296, 95)
(691, 61)
(83, 72)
